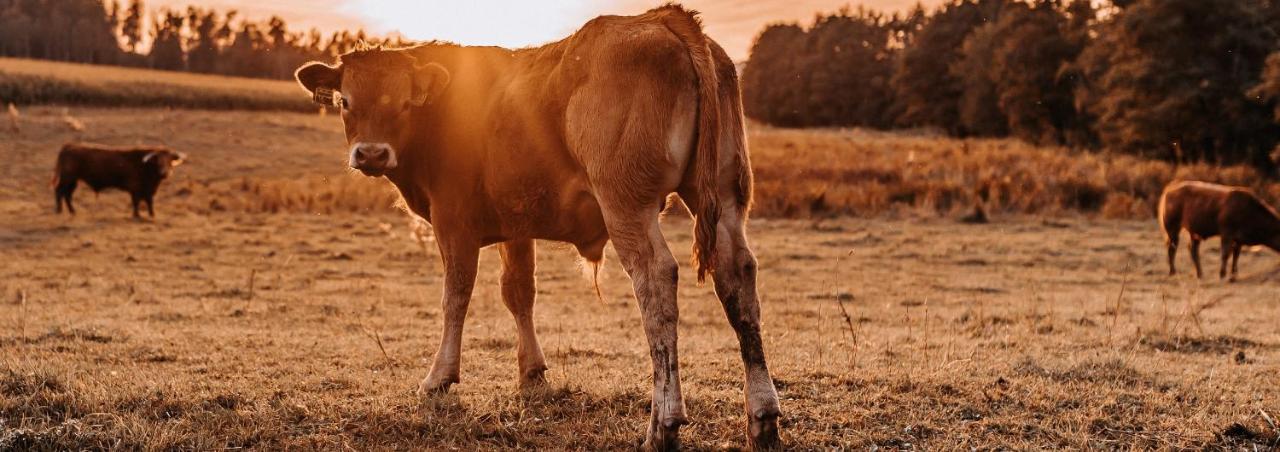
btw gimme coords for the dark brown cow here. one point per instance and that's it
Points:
(579, 141)
(137, 170)
(1206, 210)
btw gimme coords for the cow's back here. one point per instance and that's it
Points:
(558, 113)
(101, 167)
(1193, 206)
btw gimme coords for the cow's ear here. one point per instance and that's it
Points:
(316, 75)
(429, 81)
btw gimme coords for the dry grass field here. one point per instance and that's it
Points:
(27, 82)
(278, 302)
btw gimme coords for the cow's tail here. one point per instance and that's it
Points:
(57, 168)
(685, 25)
(1162, 212)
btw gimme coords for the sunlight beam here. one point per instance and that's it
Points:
(475, 22)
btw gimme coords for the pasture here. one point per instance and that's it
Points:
(279, 302)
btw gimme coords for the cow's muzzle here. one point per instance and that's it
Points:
(373, 159)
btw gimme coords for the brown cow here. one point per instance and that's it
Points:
(1206, 210)
(137, 170)
(578, 141)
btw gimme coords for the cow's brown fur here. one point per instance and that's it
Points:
(137, 170)
(1205, 210)
(579, 141)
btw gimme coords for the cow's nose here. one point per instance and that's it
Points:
(372, 155)
(372, 158)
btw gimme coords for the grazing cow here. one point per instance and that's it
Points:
(1206, 210)
(137, 170)
(578, 141)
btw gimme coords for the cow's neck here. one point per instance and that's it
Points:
(442, 168)
(445, 171)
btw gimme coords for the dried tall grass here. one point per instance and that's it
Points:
(312, 194)
(27, 82)
(831, 173)
(820, 173)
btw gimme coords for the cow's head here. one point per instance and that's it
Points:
(376, 90)
(161, 161)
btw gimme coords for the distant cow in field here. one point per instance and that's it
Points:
(579, 141)
(1206, 210)
(137, 170)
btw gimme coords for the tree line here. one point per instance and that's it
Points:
(1181, 80)
(196, 39)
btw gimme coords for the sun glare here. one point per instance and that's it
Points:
(475, 22)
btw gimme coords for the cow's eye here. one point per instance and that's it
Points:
(343, 103)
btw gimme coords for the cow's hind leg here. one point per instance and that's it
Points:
(1227, 246)
(518, 293)
(1194, 247)
(1235, 261)
(1171, 242)
(735, 283)
(654, 274)
(63, 194)
(459, 278)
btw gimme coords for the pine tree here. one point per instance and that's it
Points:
(131, 27)
(166, 51)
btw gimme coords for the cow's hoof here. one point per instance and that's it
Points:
(664, 435)
(762, 429)
(533, 379)
(435, 386)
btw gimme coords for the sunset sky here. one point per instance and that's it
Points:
(518, 23)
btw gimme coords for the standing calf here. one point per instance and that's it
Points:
(1206, 210)
(137, 170)
(578, 141)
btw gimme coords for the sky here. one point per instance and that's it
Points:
(520, 23)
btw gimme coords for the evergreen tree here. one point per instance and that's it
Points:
(166, 49)
(131, 26)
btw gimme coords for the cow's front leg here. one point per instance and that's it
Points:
(654, 274)
(459, 278)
